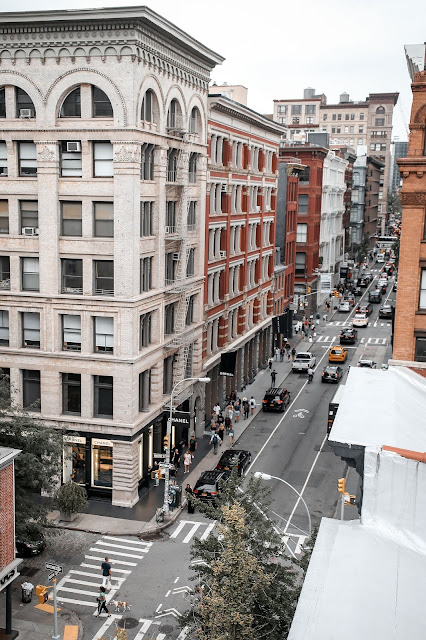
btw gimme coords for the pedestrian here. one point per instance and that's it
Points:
(232, 397)
(192, 445)
(221, 432)
(231, 435)
(106, 572)
(214, 440)
(277, 353)
(293, 354)
(281, 354)
(324, 317)
(246, 408)
(296, 328)
(237, 409)
(216, 408)
(220, 419)
(270, 361)
(273, 377)
(176, 460)
(302, 335)
(252, 405)
(187, 459)
(231, 412)
(102, 602)
(188, 491)
(228, 423)
(287, 346)
(288, 355)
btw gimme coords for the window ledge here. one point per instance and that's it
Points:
(421, 312)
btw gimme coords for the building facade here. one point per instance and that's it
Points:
(399, 150)
(374, 213)
(356, 222)
(347, 154)
(300, 116)
(103, 145)
(240, 242)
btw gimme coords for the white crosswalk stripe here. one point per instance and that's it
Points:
(376, 341)
(189, 528)
(81, 587)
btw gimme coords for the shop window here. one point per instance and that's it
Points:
(146, 274)
(104, 278)
(71, 213)
(31, 330)
(103, 396)
(102, 107)
(102, 463)
(4, 273)
(4, 328)
(103, 219)
(3, 159)
(30, 274)
(71, 393)
(420, 354)
(104, 334)
(71, 106)
(27, 153)
(72, 275)
(74, 459)
(103, 164)
(31, 390)
(71, 333)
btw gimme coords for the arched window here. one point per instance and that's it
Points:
(194, 124)
(102, 107)
(71, 106)
(24, 105)
(2, 103)
(147, 162)
(147, 106)
(380, 110)
(174, 115)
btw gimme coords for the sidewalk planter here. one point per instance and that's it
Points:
(71, 499)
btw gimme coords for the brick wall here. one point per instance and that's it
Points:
(7, 519)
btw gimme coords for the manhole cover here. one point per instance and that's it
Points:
(166, 628)
(28, 571)
(127, 623)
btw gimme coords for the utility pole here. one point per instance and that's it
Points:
(55, 612)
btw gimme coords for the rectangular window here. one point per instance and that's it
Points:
(31, 330)
(29, 217)
(147, 162)
(302, 233)
(189, 362)
(422, 298)
(3, 159)
(191, 217)
(338, 129)
(71, 393)
(72, 276)
(144, 390)
(339, 116)
(300, 263)
(305, 176)
(71, 214)
(145, 330)
(309, 120)
(282, 108)
(325, 117)
(333, 117)
(103, 165)
(352, 116)
(296, 109)
(333, 129)
(71, 333)
(296, 120)
(170, 216)
(4, 329)
(310, 109)
(170, 267)
(420, 354)
(146, 274)
(346, 129)
(103, 219)
(104, 278)
(30, 274)
(71, 164)
(190, 263)
(104, 334)
(361, 129)
(4, 273)
(351, 129)
(103, 396)
(169, 319)
(4, 216)
(27, 153)
(361, 116)
(146, 219)
(303, 203)
(380, 122)
(31, 389)
(189, 319)
(168, 374)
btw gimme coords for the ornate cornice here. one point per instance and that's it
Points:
(417, 199)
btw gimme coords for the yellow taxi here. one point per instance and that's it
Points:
(337, 354)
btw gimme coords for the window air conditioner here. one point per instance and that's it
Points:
(29, 231)
(258, 209)
(73, 146)
(224, 188)
(27, 113)
(176, 257)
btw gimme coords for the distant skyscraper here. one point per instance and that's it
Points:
(399, 151)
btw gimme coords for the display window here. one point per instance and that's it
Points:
(102, 463)
(74, 467)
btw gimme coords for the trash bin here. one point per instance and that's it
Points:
(27, 591)
(178, 498)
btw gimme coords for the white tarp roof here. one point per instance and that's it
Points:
(382, 408)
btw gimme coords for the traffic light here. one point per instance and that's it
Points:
(166, 442)
(341, 485)
(308, 289)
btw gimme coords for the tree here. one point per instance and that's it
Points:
(247, 588)
(71, 498)
(38, 466)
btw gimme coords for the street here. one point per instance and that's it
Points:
(153, 576)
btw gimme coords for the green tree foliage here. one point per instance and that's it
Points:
(71, 498)
(38, 466)
(247, 589)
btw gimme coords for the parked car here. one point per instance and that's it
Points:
(368, 364)
(348, 336)
(385, 311)
(344, 306)
(26, 548)
(395, 286)
(207, 486)
(240, 457)
(303, 361)
(380, 259)
(364, 308)
(332, 374)
(362, 282)
(360, 320)
(375, 295)
(337, 354)
(276, 399)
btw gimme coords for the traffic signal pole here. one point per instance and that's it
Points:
(55, 613)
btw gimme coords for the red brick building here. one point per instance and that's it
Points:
(8, 563)
(240, 242)
(308, 221)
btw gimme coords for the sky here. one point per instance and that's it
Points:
(278, 48)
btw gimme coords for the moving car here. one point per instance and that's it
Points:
(385, 311)
(276, 399)
(364, 308)
(207, 486)
(360, 320)
(395, 286)
(358, 291)
(344, 306)
(362, 282)
(375, 295)
(27, 548)
(368, 364)
(348, 336)
(380, 259)
(240, 457)
(338, 354)
(332, 374)
(382, 285)
(303, 361)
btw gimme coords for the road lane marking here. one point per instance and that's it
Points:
(191, 532)
(113, 553)
(144, 628)
(128, 564)
(132, 542)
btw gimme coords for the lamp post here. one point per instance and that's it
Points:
(266, 476)
(169, 431)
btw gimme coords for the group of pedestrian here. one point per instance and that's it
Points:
(223, 422)
(186, 458)
(106, 584)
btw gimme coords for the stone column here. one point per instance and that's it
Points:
(125, 474)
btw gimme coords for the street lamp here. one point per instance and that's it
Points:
(169, 431)
(266, 476)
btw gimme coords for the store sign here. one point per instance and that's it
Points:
(326, 282)
(180, 419)
(75, 439)
(9, 573)
(102, 443)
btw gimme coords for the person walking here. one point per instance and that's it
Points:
(187, 459)
(176, 460)
(310, 374)
(106, 572)
(277, 353)
(237, 409)
(216, 408)
(252, 403)
(302, 334)
(214, 440)
(221, 432)
(102, 602)
(189, 493)
(246, 407)
(270, 361)
(193, 445)
(293, 354)
(281, 354)
(231, 435)
(273, 377)
(228, 423)
(231, 412)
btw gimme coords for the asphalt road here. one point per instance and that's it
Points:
(154, 576)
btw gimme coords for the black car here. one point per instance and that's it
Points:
(385, 311)
(364, 308)
(375, 295)
(207, 486)
(276, 399)
(348, 336)
(357, 291)
(242, 459)
(332, 374)
(27, 548)
(362, 282)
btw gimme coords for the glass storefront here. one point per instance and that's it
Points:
(102, 463)
(74, 467)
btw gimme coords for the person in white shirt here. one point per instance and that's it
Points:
(252, 403)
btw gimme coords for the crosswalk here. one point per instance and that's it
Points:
(331, 339)
(81, 586)
(187, 529)
(145, 630)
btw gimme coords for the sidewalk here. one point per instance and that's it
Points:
(103, 518)
(31, 622)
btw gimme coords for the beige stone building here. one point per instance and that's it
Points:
(102, 175)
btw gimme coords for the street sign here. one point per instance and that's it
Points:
(51, 576)
(53, 567)
(161, 456)
(165, 465)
